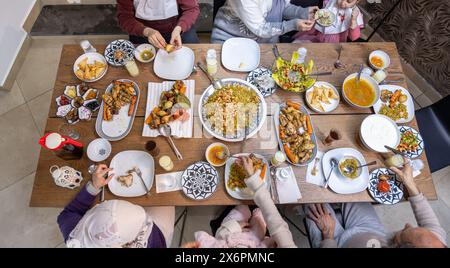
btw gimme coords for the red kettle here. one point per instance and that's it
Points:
(64, 147)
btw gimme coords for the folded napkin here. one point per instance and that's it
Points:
(286, 186)
(179, 129)
(319, 178)
(168, 182)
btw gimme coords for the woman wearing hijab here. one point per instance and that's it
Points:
(261, 20)
(159, 22)
(113, 223)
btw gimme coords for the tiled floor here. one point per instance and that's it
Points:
(22, 121)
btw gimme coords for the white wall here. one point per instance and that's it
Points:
(13, 14)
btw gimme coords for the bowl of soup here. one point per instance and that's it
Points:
(217, 154)
(361, 94)
(379, 60)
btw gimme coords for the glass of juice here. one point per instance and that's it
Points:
(166, 163)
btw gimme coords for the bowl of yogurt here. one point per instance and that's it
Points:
(378, 131)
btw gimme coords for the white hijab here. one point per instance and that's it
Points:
(155, 9)
(339, 26)
(112, 224)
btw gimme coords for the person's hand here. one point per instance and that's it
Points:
(305, 25)
(406, 176)
(176, 37)
(312, 12)
(323, 219)
(247, 164)
(98, 178)
(155, 38)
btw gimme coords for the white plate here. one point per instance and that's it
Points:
(177, 65)
(378, 130)
(339, 183)
(327, 107)
(240, 54)
(246, 193)
(92, 57)
(121, 124)
(409, 103)
(122, 163)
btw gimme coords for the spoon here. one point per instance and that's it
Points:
(358, 77)
(217, 84)
(333, 163)
(338, 64)
(166, 131)
(395, 151)
(350, 170)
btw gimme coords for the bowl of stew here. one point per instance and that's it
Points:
(362, 94)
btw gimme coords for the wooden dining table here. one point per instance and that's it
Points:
(346, 119)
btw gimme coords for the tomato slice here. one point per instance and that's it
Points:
(383, 186)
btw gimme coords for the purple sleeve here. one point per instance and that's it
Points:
(74, 211)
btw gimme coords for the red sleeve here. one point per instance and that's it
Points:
(189, 13)
(127, 19)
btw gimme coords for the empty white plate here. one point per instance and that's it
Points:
(177, 65)
(125, 161)
(240, 54)
(339, 183)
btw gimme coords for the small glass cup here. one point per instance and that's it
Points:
(131, 66)
(69, 131)
(395, 161)
(334, 135)
(152, 148)
(278, 158)
(166, 163)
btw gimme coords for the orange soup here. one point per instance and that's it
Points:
(216, 154)
(377, 61)
(362, 93)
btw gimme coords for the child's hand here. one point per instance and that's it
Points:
(304, 25)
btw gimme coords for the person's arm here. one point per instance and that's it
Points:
(426, 217)
(423, 212)
(190, 11)
(72, 213)
(127, 20)
(278, 228)
(297, 12)
(75, 210)
(250, 14)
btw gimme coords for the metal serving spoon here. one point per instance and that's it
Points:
(338, 64)
(334, 164)
(217, 84)
(166, 131)
(350, 170)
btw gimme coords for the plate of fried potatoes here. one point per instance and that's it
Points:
(90, 67)
(322, 97)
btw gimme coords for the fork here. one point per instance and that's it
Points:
(139, 173)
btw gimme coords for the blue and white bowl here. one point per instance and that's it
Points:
(396, 192)
(421, 145)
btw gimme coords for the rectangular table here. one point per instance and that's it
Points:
(345, 118)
